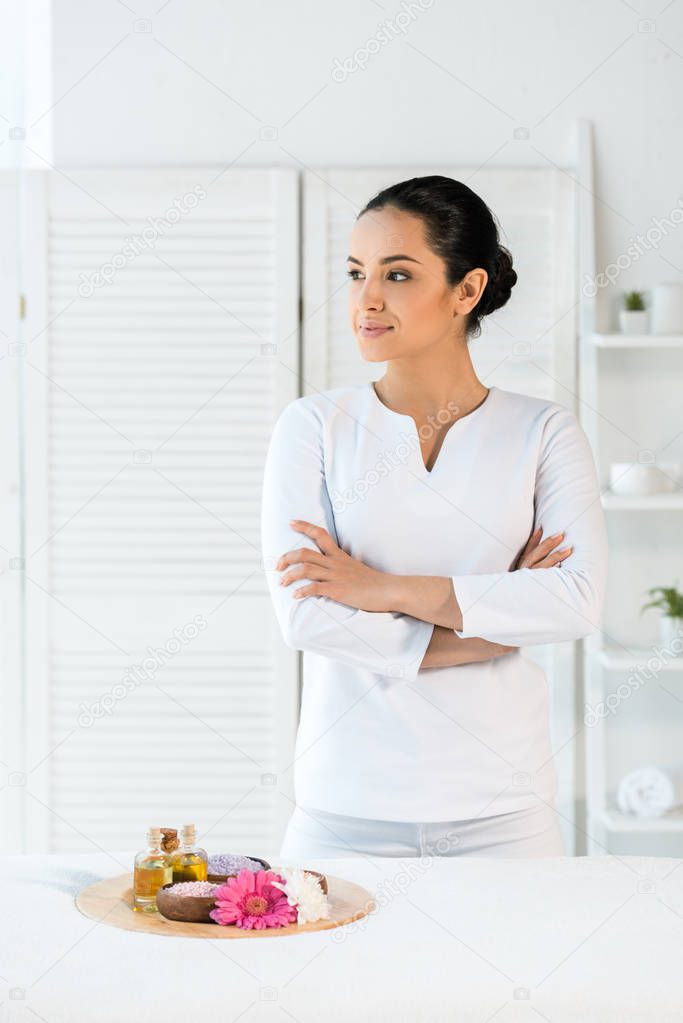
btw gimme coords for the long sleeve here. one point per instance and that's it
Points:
(294, 487)
(552, 605)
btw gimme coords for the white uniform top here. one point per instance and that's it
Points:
(379, 737)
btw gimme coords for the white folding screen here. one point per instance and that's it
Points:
(12, 696)
(528, 346)
(162, 312)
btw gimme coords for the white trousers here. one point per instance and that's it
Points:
(522, 833)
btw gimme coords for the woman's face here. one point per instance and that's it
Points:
(398, 283)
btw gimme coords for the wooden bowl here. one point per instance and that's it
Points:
(192, 909)
(321, 878)
(222, 878)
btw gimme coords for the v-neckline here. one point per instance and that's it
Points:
(408, 418)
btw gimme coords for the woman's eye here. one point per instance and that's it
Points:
(350, 274)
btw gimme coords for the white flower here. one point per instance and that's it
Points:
(304, 892)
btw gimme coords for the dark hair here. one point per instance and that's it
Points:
(460, 228)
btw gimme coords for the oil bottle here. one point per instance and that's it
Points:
(190, 863)
(153, 869)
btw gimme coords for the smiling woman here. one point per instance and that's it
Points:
(404, 522)
(452, 239)
(426, 266)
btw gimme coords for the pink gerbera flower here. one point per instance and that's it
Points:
(251, 901)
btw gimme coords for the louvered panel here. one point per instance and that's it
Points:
(160, 389)
(14, 748)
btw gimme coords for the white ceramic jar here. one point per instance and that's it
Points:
(667, 308)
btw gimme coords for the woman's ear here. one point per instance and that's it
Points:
(474, 284)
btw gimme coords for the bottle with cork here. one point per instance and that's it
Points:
(152, 869)
(189, 862)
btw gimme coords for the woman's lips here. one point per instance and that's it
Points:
(374, 331)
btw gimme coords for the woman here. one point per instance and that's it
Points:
(413, 512)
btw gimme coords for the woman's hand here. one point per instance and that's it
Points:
(540, 554)
(337, 575)
(536, 554)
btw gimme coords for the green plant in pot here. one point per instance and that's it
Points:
(669, 600)
(633, 317)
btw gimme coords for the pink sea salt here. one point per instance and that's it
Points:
(193, 888)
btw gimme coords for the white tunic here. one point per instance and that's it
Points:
(379, 737)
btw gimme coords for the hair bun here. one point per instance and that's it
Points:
(501, 283)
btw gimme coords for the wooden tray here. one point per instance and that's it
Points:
(111, 902)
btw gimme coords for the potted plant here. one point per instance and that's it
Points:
(633, 318)
(670, 601)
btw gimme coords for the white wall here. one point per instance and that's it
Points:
(207, 77)
(25, 82)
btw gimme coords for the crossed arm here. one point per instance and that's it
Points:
(429, 598)
(396, 625)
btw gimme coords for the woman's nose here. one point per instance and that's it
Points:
(370, 297)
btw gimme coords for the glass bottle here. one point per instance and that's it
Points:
(190, 863)
(152, 869)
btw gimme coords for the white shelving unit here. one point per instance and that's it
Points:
(604, 670)
(655, 502)
(607, 665)
(636, 340)
(616, 822)
(615, 659)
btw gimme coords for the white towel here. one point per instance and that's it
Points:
(646, 792)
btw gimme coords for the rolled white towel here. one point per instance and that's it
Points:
(646, 792)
